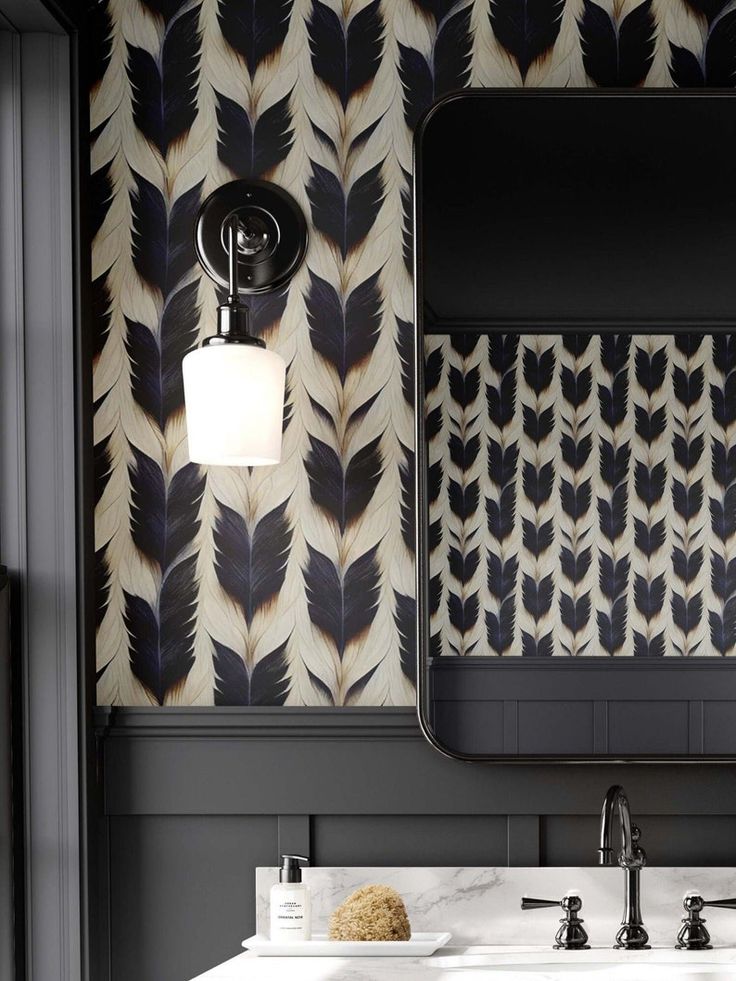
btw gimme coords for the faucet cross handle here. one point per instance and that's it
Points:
(571, 934)
(694, 934)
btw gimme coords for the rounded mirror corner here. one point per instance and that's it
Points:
(436, 112)
(442, 742)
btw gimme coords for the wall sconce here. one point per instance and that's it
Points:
(251, 237)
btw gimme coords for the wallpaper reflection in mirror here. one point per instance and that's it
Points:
(582, 495)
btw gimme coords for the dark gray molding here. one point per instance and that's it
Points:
(445, 326)
(29, 15)
(12, 462)
(582, 710)
(271, 723)
(37, 388)
(8, 941)
(623, 708)
(12, 373)
(47, 568)
(291, 761)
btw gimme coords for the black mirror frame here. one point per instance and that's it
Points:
(421, 500)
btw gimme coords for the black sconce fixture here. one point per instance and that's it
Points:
(251, 236)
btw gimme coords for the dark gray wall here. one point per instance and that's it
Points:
(195, 799)
(7, 918)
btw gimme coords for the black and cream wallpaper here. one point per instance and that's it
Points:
(571, 476)
(583, 495)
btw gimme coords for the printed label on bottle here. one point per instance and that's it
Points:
(290, 915)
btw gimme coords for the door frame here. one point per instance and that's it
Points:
(44, 528)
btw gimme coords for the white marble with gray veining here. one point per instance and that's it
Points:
(482, 905)
(489, 964)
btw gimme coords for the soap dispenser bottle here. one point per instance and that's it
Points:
(291, 905)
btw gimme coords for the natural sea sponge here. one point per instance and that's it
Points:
(371, 913)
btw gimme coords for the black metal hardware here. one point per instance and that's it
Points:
(571, 934)
(694, 934)
(631, 858)
(271, 236)
(251, 236)
(233, 317)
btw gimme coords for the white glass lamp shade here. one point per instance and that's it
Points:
(234, 395)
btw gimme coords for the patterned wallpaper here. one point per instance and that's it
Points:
(583, 495)
(294, 584)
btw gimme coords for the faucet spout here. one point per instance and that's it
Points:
(631, 858)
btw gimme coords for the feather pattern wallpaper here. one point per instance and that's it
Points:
(582, 495)
(569, 476)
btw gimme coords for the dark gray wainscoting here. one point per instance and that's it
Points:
(195, 799)
(624, 707)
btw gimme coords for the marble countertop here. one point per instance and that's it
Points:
(511, 963)
(482, 905)
(480, 908)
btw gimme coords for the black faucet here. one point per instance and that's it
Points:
(694, 933)
(571, 934)
(631, 858)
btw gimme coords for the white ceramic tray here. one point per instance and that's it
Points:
(420, 945)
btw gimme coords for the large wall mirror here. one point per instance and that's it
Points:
(576, 424)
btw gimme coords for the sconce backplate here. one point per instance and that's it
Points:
(272, 240)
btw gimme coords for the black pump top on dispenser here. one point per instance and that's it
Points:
(291, 870)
